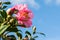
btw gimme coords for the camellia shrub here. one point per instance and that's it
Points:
(16, 16)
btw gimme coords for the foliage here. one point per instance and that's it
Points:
(9, 24)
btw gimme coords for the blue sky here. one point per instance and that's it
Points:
(46, 17)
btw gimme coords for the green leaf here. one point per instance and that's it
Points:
(32, 39)
(1, 19)
(3, 28)
(3, 38)
(13, 29)
(19, 35)
(35, 36)
(4, 14)
(28, 33)
(41, 33)
(4, 7)
(11, 37)
(34, 32)
(7, 3)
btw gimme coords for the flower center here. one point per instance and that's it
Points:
(25, 14)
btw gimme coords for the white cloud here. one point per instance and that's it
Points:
(48, 1)
(31, 3)
(58, 2)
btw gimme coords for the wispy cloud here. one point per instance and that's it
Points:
(57, 2)
(48, 1)
(31, 3)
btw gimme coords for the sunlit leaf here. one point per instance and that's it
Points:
(3, 28)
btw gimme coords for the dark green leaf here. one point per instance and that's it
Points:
(3, 38)
(35, 36)
(13, 30)
(1, 20)
(42, 34)
(28, 33)
(26, 36)
(34, 32)
(19, 35)
(7, 3)
(4, 7)
(11, 37)
(4, 14)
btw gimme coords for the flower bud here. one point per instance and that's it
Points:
(9, 11)
(34, 28)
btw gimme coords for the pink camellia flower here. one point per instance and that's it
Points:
(24, 15)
